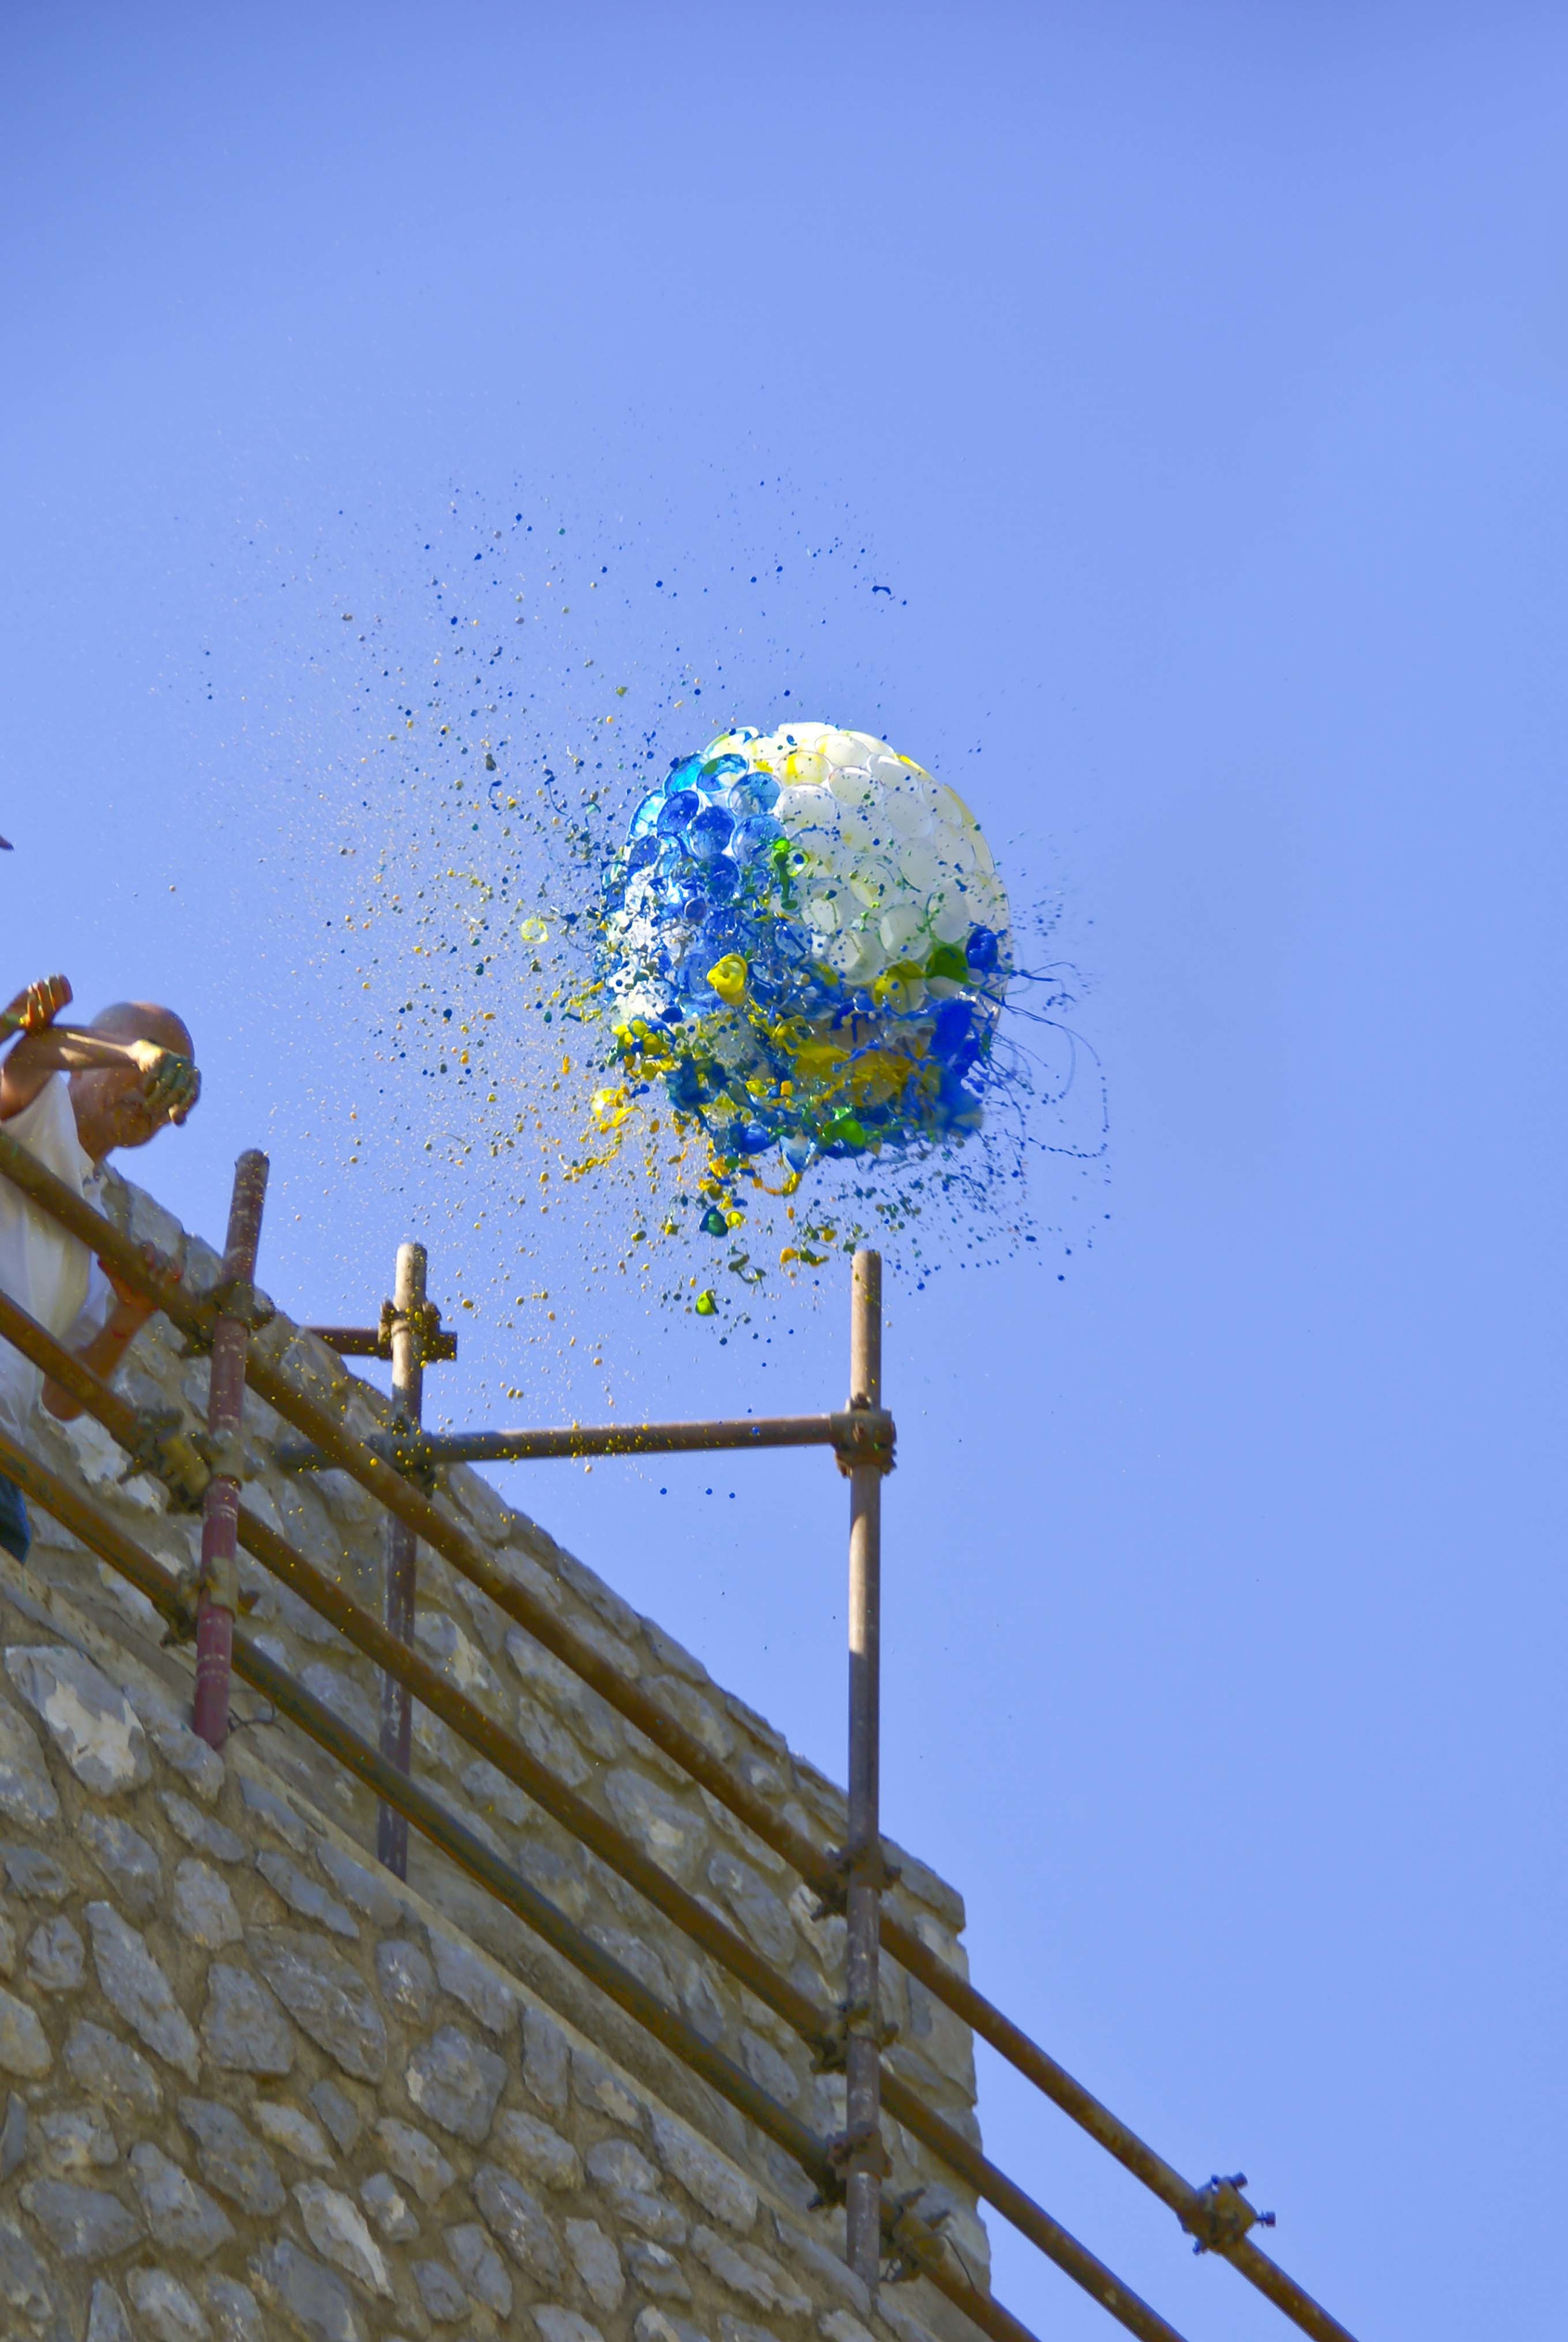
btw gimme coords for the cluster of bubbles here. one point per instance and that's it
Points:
(806, 942)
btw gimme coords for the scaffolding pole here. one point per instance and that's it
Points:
(174, 1460)
(399, 1545)
(1217, 2216)
(219, 1596)
(909, 2238)
(865, 2156)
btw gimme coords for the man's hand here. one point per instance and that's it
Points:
(37, 1007)
(171, 1084)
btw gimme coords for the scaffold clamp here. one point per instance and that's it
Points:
(423, 1321)
(240, 1297)
(166, 1450)
(854, 2020)
(916, 2237)
(863, 1435)
(1222, 2215)
(402, 1446)
(870, 1867)
(862, 2147)
(221, 1451)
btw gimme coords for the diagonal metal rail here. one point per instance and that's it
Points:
(174, 1459)
(905, 2234)
(1217, 2216)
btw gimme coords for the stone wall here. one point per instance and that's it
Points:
(255, 2085)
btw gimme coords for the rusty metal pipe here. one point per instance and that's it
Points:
(323, 1725)
(419, 1676)
(328, 1598)
(194, 1318)
(639, 1440)
(379, 1479)
(104, 1537)
(584, 1822)
(398, 1545)
(862, 1431)
(1259, 2269)
(172, 1599)
(350, 1341)
(1190, 2204)
(219, 1596)
(535, 1910)
(618, 1985)
(375, 1342)
(864, 2154)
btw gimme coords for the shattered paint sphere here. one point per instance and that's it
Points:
(807, 942)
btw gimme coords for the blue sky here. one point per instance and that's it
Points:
(1196, 376)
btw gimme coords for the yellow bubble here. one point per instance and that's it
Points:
(533, 930)
(901, 987)
(816, 1058)
(728, 978)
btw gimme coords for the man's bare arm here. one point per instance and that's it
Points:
(103, 1353)
(171, 1082)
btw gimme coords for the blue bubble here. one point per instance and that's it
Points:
(755, 835)
(757, 794)
(677, 811)
(713, 885)
(709, 833)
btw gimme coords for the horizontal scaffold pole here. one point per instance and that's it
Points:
(817, 2027)
(864, 1435)
(906, 2235)
(1208, 2214)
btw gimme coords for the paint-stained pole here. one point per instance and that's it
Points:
(864, 2159)
(219, 1596)
(398, 1544)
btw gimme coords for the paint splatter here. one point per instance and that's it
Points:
(473, 752)
(805, 948)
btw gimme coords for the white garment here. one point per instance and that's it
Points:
(49, 1274)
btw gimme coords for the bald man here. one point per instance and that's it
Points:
(71, 1094)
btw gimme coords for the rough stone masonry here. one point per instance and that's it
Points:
(254, 2085)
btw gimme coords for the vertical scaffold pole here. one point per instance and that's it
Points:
(218, 1596)
(862, 2158)
(398, 1542)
